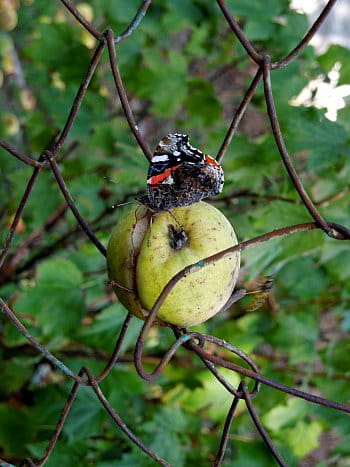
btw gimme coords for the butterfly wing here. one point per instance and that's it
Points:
(160, 170)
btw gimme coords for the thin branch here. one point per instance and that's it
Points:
(239, 33)
(36, 344)
(334, 197)
(79, 97)
(83, 21)
(22, 157)
(190, 269)
(246, 193)
(123, 97)
(29, 242)
(287, 160)
(68, 197)
(65, 239)
(269, 382)
(18, 214)
(116, 352)
(226, 431)
(306, 39)
(121, 423)
(239, 114)
(260, 427)
(216, 257)
(202, 338)
(134, 23)
(60, 424)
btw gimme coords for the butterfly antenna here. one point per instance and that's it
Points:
(123, 204)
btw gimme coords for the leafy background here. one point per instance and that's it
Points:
(183, 71)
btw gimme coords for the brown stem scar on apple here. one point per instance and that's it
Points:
(177, 237)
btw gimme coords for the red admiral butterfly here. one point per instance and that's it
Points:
(180, 175)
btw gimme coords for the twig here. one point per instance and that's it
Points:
(123, 97)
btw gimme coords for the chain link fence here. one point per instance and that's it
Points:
(194, 342)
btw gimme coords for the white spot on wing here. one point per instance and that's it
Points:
(168, 181)
(161, 158)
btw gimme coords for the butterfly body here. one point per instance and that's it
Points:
(180, 175)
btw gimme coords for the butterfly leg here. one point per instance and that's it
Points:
(176, 220)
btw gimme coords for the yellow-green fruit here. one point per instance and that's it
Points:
(10, 123)
(144, 255)
(27, 99)
(8, 19)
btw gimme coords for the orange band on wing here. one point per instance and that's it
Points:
(210, 160)
(157, 179)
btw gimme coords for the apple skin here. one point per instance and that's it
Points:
(140, 257)
(122, 251)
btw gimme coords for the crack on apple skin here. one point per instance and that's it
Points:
(177, 237)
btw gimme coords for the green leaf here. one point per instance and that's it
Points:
(196, 44)
(14, 373)
(54, 37)
(251, 453)
(202, 96)
(55, 302)
(164, 428)
(107, 325)
(288, 35)
(168, 446)
(337, 356)
(63, 454)
(16, 430)
(255, 9)
(325, 140)
(284, 415)
(297, 334)
(304, 437)
(132, 459)
(170, 419)
(339, 265)
(164, 81)
(250, 330)
(307, 285)
(259, 30)
(120, 11)
(183, 13)
(212, 396)
(124, 390)
(44, 200)
(86, 416)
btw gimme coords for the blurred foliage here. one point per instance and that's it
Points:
(183, 70)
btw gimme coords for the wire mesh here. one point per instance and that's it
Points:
(192, 341)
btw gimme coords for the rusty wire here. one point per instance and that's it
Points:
(192, 341)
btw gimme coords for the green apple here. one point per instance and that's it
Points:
(145, 251)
